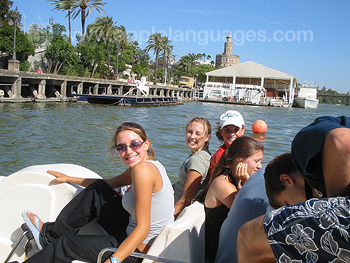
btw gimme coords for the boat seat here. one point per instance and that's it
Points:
(184, 239)
(29, 189)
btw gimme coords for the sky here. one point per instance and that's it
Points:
(309, 39)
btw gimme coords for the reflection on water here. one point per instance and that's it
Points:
(41, 133)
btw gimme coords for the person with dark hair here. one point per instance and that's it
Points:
(280, 171)
(194, 169)
(132, 222)
(313, 221)
(244, 158)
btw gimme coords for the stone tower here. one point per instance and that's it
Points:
(227, 59)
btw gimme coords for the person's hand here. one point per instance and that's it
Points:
(60, 177)
(242, 173)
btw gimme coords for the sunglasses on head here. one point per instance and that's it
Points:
(133, 146)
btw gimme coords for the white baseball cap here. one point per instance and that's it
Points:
(231, 117)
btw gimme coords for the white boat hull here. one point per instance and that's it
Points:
(30, 189)
(307, 103)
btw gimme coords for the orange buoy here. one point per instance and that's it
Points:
(259, 126)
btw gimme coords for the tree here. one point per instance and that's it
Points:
(183, 67)
(155, 44)
(38, 35)
(200, 71)
(24, 47)
(166, 52)
(85, 7)
(105, 29)
(59, 50)
(65, 5)
(5, 6)
(140, 61)
(187, 63)
(123, 39)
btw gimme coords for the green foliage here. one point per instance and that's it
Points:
(200, 71)
(38, 35)
(105, 29)
(5, 6)
(90, 55)
(328, 100)
(36, 65)
(84, 8)
(59, 51)
(24, 65)
(139, 70)
(23, 46)
(103, 72)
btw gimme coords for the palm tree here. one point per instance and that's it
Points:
(104, 27)
(166, 52)
(80, 6)
(185, 64)
(123, 38)
(65, 5)
(155, 43)
(192, 59)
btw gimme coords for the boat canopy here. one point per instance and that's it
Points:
(250, 69)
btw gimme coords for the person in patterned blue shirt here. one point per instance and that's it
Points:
(310, 187)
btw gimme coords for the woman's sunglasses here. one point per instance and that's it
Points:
(133, 146)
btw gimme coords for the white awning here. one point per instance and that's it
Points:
(250, 69)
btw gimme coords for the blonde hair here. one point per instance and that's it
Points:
(207, 128)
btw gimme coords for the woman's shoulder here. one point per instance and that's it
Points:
(221, 178)
(202, 154)
(147, 165)
(220, 181)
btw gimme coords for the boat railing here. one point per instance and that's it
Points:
(217, 84)
(246, 86)
(137, 255)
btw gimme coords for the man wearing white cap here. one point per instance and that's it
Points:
(231, 126)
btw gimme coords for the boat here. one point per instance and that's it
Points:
(235, 93)
(306, 96)
(30, 189)
(138, 95)
(125, 100)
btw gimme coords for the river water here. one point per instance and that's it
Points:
(45, 133)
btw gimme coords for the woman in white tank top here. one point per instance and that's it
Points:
(148, 207)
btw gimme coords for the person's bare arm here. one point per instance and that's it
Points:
(143, 177)
(117, 181)
(336, 162)
(252, 243)
(63, 178)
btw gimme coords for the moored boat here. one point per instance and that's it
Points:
(136, 96)
(306, 96)
(125, 100)
(235, 93)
